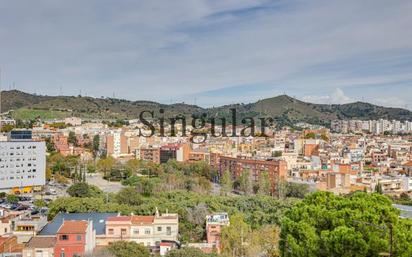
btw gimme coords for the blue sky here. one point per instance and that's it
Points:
(211, 52)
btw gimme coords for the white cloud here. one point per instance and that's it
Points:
(339, 97)
(159, 50)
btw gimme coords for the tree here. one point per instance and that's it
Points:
(72, 138)
(244, 182)
(264, 242)
(7, 128)
(358, 224)
(132, 166)
(264, 184)
(12, 199)
(297, 190)
(90, 168)
(49, 145)
(40, 203)
(48, 173)
(129, 196)
(96, 145)
(234, 236)
(324, 137)
(106, 165)
(226, 183)
(82, 189)
(310, 135)
(188, 252)
(378, 188)
(128, 249)
(277, 154)
(145, 186)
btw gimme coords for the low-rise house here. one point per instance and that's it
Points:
(9, 247)
(75, 238)
(150, 231)
(214, 225)
(98, 219)
(25, 227)
(40, 246)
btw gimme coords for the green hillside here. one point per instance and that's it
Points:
(284, 109)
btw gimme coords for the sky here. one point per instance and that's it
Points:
(210, 52)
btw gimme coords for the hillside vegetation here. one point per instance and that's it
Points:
(284, 109)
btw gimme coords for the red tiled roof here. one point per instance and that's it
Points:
(119, 218)
(73, 227)
(41, 242)
(142, 219)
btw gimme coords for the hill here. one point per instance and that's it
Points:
(284, 109)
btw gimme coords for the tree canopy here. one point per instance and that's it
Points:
(128, 249)
(355, 225)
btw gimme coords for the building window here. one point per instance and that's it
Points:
(147, 231)
(159, 229)
(79, 238)
(111, 231)
(168, 231)
(136, 231)
(64, 237)
(123, 231)
(62, 255)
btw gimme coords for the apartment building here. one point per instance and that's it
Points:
(149, 153)
(116, 144)
(22, 163)
(276, 169)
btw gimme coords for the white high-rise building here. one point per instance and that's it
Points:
(22, 165)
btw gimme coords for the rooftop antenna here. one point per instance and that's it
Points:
(61, 91)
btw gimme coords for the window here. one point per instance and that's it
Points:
(123, 231)
(39, 253)
(79, 237)
(62, 254)
(136, 231)
(159, 229)
(64, 237)
(147, 231)
(168, 231)
(111, 232)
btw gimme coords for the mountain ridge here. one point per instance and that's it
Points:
(283, 108)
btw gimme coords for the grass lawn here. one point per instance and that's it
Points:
(30, 114)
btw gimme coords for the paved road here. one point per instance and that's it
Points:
(108, 187)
